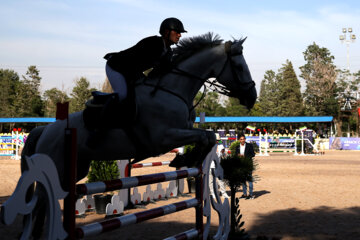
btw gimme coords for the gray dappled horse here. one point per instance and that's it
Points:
(165, 119)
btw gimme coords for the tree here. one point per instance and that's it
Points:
(320, 75)
(106, 86)
(347, 85)
(321, 95)
(256, 111)
(268, 94)
(289, 99)
(8, 82)
(28, 102)
(51, 97)
(234, 108)
(80, 94)
(210, 104)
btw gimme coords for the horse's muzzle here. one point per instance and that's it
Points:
(246, 97)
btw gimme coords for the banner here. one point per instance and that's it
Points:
(222, 134)
(344, 143)
(232, 134)
(284, 142)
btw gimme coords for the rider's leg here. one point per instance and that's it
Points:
(117, 82)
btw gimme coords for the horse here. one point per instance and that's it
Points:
(165, 111)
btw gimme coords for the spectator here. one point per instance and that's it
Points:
(246, 150)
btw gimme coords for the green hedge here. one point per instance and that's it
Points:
(103, 171)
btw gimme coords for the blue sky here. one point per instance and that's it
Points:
(67, 39)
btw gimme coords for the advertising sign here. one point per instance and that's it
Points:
(344, 143)
(274, 143)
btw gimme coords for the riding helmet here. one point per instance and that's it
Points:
(172, 24)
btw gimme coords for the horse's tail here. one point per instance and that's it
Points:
(30, 145)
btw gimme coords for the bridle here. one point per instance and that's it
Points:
(213, 85)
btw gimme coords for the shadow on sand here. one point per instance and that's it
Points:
(318, 223)
(144, 231)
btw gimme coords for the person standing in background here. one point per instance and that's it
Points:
(246, 150)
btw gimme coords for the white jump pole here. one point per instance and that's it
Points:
(296, 153)
(260, 153)
(17, 157)
(266, 145)
(17, 147)
(302, 144)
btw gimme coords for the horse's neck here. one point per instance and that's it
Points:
(202, 64)
(198, 67)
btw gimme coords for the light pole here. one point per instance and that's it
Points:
(351, 38)
(347, 38)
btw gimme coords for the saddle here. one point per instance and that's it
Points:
(105, 111)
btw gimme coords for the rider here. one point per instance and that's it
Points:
(125, 67)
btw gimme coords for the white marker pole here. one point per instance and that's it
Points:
(302, 143)
(260, 153)
(266, 145)
(296, 153)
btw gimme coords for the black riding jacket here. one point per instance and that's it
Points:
(150, 52)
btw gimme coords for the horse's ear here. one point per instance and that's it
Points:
(241, 41)
(237, 47)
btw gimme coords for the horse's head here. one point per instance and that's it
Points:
(205, 56)
(235, 75)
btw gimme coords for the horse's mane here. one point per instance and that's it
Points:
(188, 46)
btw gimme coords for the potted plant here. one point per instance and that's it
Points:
(237, 170)
(102, 171)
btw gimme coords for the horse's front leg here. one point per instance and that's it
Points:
(204, 141)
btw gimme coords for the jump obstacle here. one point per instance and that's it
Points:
(124, 197)
(175, 187)
(264, 151)
(10, 145)
(58, 230)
